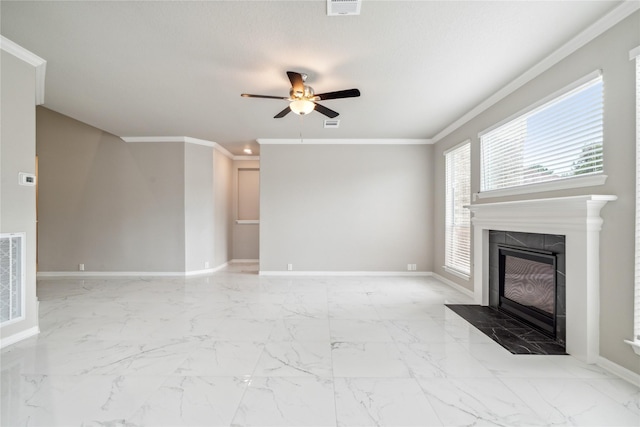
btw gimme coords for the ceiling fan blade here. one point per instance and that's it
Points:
(248, 95)
(282, 113)
(348, 93)
(326, 111)
(296, 82)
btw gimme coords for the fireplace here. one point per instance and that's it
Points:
(527, 279)
(527, 286)
(577, 218)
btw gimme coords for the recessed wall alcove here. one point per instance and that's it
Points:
(578, 219)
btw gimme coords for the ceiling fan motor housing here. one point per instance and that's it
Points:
(307, 94)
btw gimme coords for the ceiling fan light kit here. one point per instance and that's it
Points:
(302, 106)
(303, 100)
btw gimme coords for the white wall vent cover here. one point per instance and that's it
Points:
(12, 254)
(343, 7)
(331, 123)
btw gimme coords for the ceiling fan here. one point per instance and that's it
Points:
(303, 100)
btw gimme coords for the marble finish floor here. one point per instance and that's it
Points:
(237, 349)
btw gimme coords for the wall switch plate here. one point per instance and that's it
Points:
(289, 267)
(81, 267)
(206, 264)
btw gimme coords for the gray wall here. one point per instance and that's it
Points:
(139, 207)
(246, 237)
(609, 52)
(18, 154)
(198, 207)
(107, 204)
(346, 207)
(223, 208)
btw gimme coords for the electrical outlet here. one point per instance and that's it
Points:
(289, 267)
(206, 264)
(408, 267)
(81, 267)
(414, 267)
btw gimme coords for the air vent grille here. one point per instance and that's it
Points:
(331, 123)
(12, 269)
(343, 7)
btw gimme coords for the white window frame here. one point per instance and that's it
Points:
(558, 184)
(634, 55)
(463, 273)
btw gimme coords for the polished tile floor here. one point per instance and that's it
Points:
(236, 349)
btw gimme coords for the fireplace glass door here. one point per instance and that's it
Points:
(528, 286)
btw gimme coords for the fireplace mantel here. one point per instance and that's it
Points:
(578, 219)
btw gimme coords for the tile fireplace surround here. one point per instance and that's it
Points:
(578, 219)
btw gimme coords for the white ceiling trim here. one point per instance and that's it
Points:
(346, 141)
(183, 139)
(246, 157)
(599, 27)
(30, 58)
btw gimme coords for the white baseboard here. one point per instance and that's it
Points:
(453, 284)
(12, 339)
(110, 273)
(619, 371)
(44, 274)
(243, 261)
(345, 273)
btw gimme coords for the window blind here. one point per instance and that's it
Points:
(636, 324)
(457, 217)
(560, 139)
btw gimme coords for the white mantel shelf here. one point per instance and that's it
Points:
(578, 219)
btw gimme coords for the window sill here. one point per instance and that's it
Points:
(456, 273)
(247, 221)
(561, 184)
(635, 345)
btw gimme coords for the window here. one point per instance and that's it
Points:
(457, 218)
(559, 138)
(635, 55)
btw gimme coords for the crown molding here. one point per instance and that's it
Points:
(30, 58)
(187, 140)
(246, 157)
(345, 141)
(600, 26)
(133, 139)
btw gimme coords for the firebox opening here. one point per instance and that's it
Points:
(527, 286)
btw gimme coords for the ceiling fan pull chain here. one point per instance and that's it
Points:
(301, 125)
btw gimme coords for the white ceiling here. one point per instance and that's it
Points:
(177, 68)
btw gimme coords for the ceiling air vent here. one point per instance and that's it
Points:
(331, 123)
(343, 7)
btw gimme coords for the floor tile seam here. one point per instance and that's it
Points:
(147, 398)
(427, 396)
(333, 378)
(532, 408)
(618, 402)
